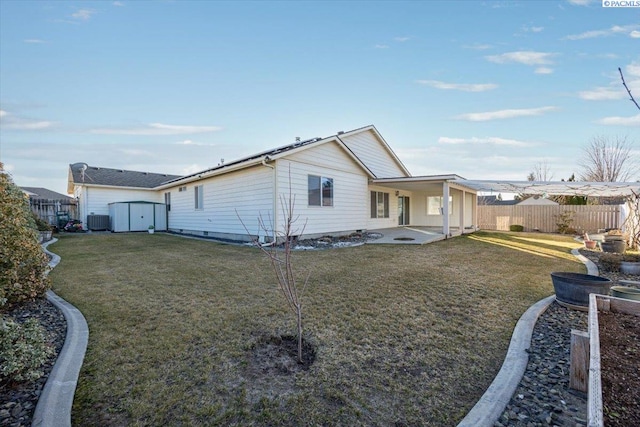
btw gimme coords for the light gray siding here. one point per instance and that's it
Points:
(95, 200)
(373, 153)
(350, 208)
(248, 191)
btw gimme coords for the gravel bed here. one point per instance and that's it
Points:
(18, 401)
(543, 397)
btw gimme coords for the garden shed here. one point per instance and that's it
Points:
(137, 216)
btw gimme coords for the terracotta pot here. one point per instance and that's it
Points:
(590, 244)
(573, 289)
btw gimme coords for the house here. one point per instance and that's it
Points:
(49, 205)
(342, 183)
(537, 201)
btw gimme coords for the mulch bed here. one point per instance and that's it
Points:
(620, 373)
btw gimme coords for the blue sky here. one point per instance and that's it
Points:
(483, 89)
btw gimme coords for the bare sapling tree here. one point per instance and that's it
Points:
(541, 172)
(281, 259)
(608, 160)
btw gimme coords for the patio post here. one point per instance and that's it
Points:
(445, 208)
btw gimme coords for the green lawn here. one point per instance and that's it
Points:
(404, 335)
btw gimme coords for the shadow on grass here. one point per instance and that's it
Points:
(532, 244)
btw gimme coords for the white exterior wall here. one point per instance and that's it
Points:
(392, 221)
(249, 191)
(95, 200)
(436, 220)
(470, 209)
(372, 153)
(350, 210)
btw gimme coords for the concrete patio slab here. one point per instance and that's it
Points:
(406, 236)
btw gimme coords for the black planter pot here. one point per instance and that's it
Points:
(615, 246)
(573, 289)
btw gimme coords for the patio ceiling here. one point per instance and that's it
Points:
(558, 188)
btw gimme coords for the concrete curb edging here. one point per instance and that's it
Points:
(492, 403)
(55, 402)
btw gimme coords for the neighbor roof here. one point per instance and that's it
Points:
(39, 193)
(81, 173)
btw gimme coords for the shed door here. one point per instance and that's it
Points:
(140, 216)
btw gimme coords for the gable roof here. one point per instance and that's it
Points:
(282, 151)
(39, 193)
(83, 174)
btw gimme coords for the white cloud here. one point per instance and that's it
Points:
(193, 143)
(522, 57)
(83, 14)
(489, 140)
(12, 122)
(532, 29)
(34, 41)
(544, 70)
(602, 93)
(616, 29)
(156, 129)
(581, 2)
(118, 3)
(381, 46)
(478, 46)
(621, 121)
(465, 87)
(633, 69)
(635, 34)
(615, 90)
(402, 39)
(505, 114)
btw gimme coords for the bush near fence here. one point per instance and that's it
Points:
(585, 218)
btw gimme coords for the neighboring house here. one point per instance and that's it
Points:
(49, 205)
(537, 201)
(346, 182)
(494, 201)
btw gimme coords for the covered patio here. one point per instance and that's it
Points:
(428, 206)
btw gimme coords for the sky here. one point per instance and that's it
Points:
(481, 89)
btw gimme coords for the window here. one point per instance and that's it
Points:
(198, 196)
(320, 190)
(379, 204)
(181, 189)
(434, 205)
(167, 200)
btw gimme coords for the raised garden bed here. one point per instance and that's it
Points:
(607, 367)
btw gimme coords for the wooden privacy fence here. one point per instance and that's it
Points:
(589, 218)
(49, 210)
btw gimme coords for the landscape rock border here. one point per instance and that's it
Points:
(55, 402)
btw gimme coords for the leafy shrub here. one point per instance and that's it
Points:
(23, 350)
(516, 228)
(564, 221)
(41, 225)
(23, 263)
(610, 262)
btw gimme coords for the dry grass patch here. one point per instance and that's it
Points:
(404, 335)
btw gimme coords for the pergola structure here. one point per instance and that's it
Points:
(557, 188)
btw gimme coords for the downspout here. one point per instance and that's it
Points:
(275, 197)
